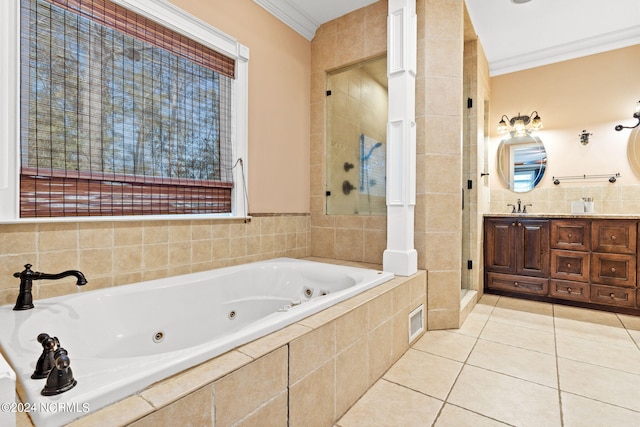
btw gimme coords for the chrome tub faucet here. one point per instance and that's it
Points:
(27, 276)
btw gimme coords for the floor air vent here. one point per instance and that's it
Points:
(416, 323)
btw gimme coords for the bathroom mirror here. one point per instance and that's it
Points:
(633, 151)
(521, 162)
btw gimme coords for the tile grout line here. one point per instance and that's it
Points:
(555, 347)
(464, 363)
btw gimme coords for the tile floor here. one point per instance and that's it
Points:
(513, 362)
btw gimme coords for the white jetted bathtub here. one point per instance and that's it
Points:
(120, 340)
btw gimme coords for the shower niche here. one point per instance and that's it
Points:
(357, 103)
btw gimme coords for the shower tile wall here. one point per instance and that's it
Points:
(438, 230)
(438, 218)
(352, 38)
(116, 253)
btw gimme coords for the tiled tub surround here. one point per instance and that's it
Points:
(320, 365)
(112, 253)
(112, 334)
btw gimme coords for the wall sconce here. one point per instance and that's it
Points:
(584, 137)
(521, 125)
(636, 115)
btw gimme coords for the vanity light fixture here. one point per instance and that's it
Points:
(521, 125)
(636, 115)
(584, 137)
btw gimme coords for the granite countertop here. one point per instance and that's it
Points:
(562, 215)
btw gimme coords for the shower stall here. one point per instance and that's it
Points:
(357, 103)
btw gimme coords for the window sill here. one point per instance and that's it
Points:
(69, 219)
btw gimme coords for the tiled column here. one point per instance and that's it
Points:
(439, 105)
(400, 257)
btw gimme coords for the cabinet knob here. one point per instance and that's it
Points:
(515, 284)
(613, 269)
(513, 224)
(612, 295)
(613, 237)
(568, 290)
(570, 235)
(568, 265)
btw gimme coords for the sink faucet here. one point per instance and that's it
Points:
(519, 206)
(25, 298)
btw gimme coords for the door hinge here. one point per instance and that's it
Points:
(469, 264)
(469, 103)
(328, 93)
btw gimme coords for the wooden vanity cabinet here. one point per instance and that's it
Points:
(517, 246)
(517, 255)
(582, 261)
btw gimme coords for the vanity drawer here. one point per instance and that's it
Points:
(576, 291)
(612, 295)
(614, 236)
(570, 265)
(519, 284)
(574, 235)
(613, 269)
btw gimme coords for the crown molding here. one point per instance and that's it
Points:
(292, 16)
(609, 41)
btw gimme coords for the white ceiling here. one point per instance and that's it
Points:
(514, 36)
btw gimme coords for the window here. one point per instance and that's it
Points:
(123, 115)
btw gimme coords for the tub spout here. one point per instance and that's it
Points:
(27, 276)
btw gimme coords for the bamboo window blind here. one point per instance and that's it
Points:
(119, 115)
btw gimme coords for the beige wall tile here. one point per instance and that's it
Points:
(352, 375)
(380, 353)
(57, 236)
(273, 414)
(313, 398)
(311, 350)
(120, 413)
(156, 255)
(351, 327)
(194, 409)
(95, 235)
(96, 261)
(239, 394)
(127, 233)
(156, 232)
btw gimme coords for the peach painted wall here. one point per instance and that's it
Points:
(595, 93)
(279, 101)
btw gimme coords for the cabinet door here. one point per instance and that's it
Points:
(614, 236)
(533, 243)
(499, 252)
(571, 234)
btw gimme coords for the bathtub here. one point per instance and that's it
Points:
(121, 340)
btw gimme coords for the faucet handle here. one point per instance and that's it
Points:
(524, 210)
(26, 271)
(514, 207)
